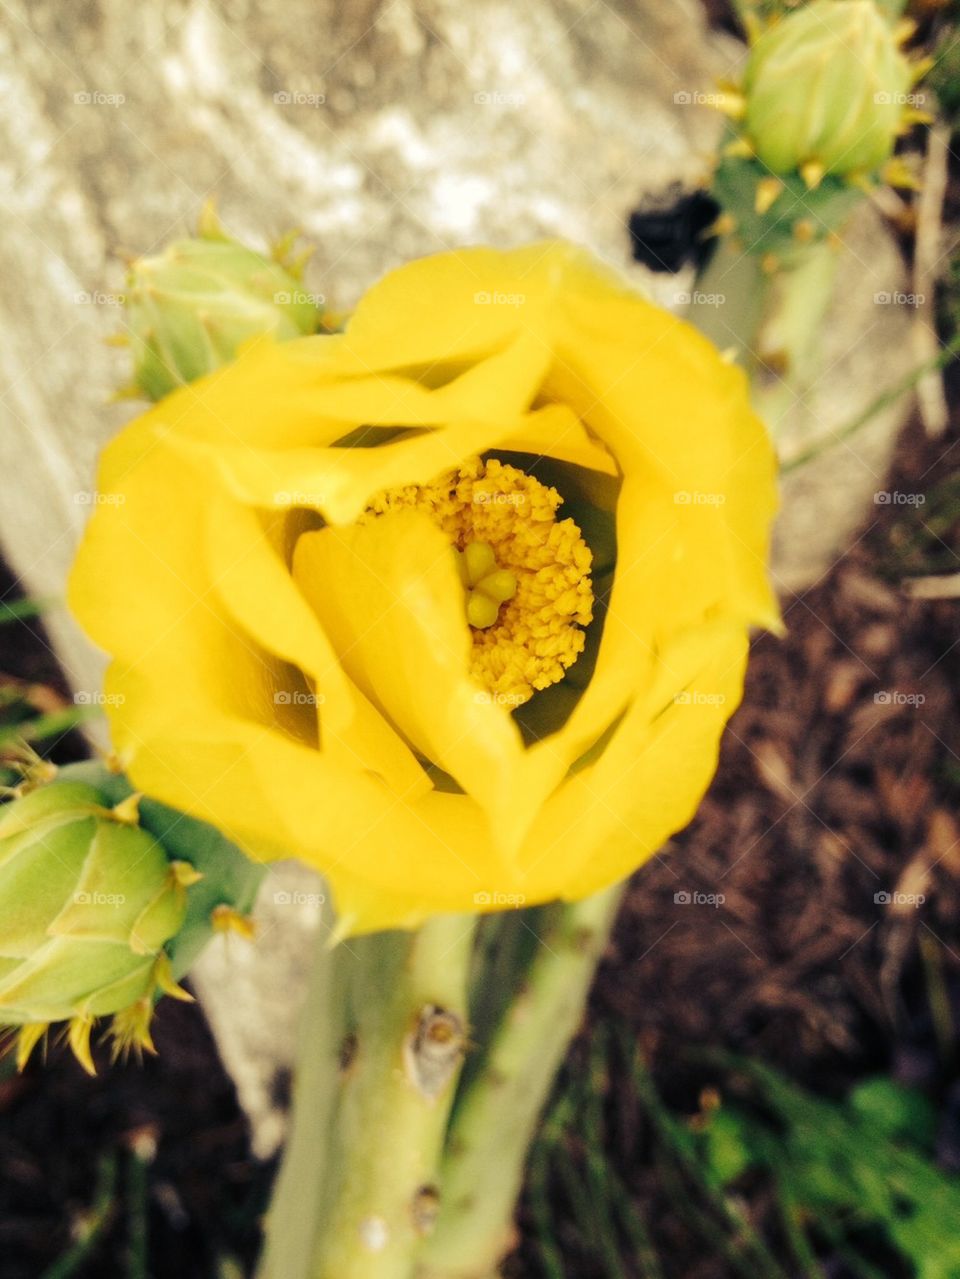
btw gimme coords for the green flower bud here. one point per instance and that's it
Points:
(191, 307)
(825, 90)
(88, 900)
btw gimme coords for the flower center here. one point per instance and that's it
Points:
(486, 585)
(526, 574)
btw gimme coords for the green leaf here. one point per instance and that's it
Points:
(727, 1146)
(21, 610)
(893, 1111)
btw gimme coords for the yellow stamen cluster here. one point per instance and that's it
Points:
(526, 574)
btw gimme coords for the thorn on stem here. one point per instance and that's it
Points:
(433, 1050)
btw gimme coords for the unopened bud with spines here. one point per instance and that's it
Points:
(814, 125)
(825, 90)
(189, 308)
(88, 901)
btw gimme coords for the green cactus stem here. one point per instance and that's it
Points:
(384, 1034)
(496, 1119)
(825, 94)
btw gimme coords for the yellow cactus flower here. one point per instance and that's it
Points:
(453, 606)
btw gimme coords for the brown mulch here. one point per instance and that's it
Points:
(838, 782)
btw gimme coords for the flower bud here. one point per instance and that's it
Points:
(88, 900)
(191, 307)
(825, 90)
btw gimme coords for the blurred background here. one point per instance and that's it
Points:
(768, 1083)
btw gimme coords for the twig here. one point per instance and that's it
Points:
(943, 586)
(889, 396)
(931, 398)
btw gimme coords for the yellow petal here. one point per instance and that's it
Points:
(610, 817)
(389, 596)
(247, 570)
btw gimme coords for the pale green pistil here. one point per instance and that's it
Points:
(486, 586)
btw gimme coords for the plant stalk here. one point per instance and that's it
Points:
(384, 1033)
(773, 321)
(495, 1121)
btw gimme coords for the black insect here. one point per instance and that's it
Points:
(666, 238)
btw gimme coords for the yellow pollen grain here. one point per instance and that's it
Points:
(538, 633)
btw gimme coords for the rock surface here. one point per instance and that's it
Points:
(386, 131)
